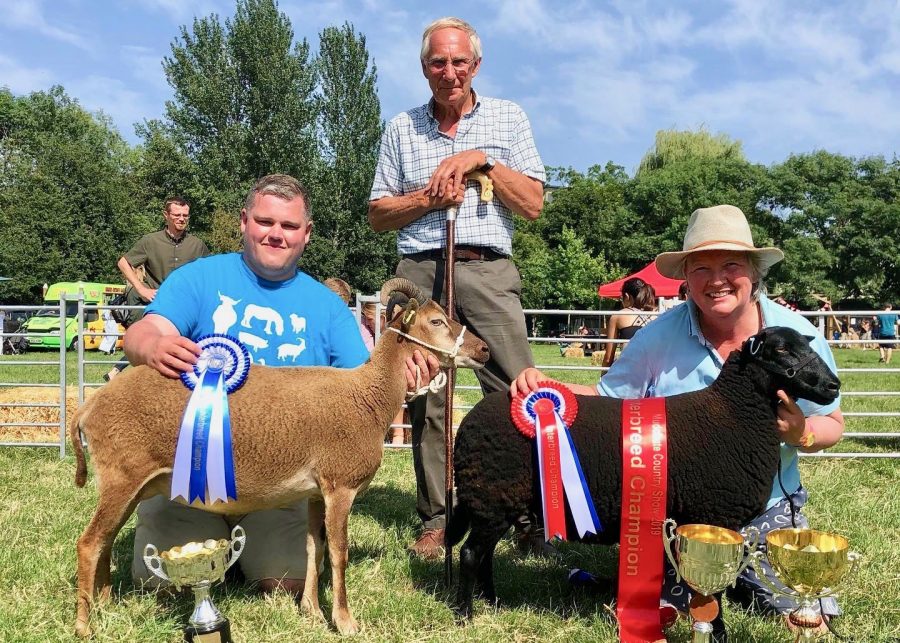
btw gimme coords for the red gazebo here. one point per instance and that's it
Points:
(664, 286)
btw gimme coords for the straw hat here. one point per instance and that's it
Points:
(722, 227)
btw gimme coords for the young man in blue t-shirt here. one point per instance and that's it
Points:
(285, 318)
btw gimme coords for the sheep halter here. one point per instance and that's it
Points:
(452, 353)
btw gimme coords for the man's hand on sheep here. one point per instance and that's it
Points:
(156, 342)
(173, 355)
(420, 370)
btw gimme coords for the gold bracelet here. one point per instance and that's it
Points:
(808, 439)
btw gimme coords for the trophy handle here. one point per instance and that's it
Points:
(669, 526)
(238, 540)
(853, 558)
(751, 542)
(762, 578)
(154, 562)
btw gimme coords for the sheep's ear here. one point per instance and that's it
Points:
(409, 314)
(809, 338)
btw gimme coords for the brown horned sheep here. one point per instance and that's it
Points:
(313, 432)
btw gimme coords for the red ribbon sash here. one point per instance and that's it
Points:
(644, 477)
(551, 471)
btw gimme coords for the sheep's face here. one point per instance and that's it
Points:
(431, 326)
(795, 366)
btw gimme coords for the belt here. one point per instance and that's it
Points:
(460, 253)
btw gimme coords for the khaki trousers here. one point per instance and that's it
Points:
(487, 302)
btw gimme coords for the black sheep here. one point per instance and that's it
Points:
(722, 442)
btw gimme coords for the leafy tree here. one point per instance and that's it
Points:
(66, 194)
(672, 146)
(664, 199)
(803, 272)
(593, 206)
(574, 274)
(349, 124)
(243, 106)
(532, 258)
(852, 207)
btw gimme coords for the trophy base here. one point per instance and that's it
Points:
(218, 633)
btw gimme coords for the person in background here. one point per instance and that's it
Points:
(158, 254)
(425, 155)
(887, 332)
(638, 299)
(684, 350)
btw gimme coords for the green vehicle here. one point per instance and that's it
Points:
(43, 328)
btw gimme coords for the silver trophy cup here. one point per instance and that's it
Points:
(198, 566)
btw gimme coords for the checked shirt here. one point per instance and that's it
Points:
(411, 149)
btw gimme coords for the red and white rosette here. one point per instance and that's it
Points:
(546, 413)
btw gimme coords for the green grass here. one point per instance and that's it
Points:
(399, 599)
(11, 371)
(394, 597)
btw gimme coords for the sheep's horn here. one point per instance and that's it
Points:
(405, 286)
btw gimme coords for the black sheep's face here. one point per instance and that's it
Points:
(795, 366)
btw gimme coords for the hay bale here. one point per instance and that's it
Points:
(25, 414)
(597, 358)
(573, 351)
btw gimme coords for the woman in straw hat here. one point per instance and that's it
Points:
(684, 349)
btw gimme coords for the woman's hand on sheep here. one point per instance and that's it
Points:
(791, 421)
(527, 381)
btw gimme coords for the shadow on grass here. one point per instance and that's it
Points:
(388, 505)
(535, 584)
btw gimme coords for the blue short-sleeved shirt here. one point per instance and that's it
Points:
(670, 356)
(298, 322)
(887, 324)
(411, 149)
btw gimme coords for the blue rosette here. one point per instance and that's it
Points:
(204, 462)
(225, 353)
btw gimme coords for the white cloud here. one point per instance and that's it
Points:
(28, 15)
(21, 79)
(146, 65)
(114, 98)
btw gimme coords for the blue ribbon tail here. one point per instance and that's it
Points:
(587, 492)
(230, 484)
(200, 444)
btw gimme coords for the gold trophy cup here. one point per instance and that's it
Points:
(709, 559)
(811, 564)
(198, 566)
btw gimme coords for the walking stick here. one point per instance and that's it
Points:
(487, 193)
(449, 261)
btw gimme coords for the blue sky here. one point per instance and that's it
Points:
(597, 79)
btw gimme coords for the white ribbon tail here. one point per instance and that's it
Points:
(181, 472)
(577, 495)
(215, 458)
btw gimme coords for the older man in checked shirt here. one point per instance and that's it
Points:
(425, 154)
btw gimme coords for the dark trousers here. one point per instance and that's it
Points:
(488, 304)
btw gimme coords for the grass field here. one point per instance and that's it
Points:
(399, 599)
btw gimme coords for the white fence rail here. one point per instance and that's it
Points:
(58, 359)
